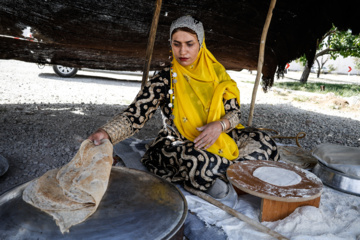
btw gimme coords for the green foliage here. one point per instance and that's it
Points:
(331, 68)
(301, 99)
(357, 63)
(302, 60)
(342, 43)
(344, 90)
(337, 43)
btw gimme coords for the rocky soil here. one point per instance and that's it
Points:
(44, 118)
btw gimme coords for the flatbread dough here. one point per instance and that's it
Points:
(72, 193)
(341, 158)
(277, 176)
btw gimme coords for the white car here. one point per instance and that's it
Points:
(63, 71)
(323, 70)
(68, 72)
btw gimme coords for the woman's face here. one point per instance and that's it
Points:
(185, 47)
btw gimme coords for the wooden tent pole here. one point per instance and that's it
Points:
(260, 60)
(151, 41)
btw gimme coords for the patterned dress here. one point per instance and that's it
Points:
(171, 155)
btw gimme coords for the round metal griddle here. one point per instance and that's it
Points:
(136, 205)
(337, 180)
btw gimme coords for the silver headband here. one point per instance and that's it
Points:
(189, 22)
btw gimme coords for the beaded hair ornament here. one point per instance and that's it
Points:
(195, 25)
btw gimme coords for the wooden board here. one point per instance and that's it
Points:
(241, 176)
(277, 202)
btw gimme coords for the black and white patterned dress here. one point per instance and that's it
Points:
(171, 155)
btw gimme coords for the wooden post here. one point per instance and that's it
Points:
(151, 41)
(260, 60)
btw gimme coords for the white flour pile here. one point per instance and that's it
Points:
(338, 217)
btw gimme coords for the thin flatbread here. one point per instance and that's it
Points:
(297, 156)
(344, 159)
(72, 193)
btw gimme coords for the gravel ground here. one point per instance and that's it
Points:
(44, 118)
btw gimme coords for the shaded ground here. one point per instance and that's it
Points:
(44, 118)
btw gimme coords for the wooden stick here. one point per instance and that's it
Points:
(151, 41)
(235, 213)
(260, 60)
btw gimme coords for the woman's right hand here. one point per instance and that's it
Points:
(99, 135)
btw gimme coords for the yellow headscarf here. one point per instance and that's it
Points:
(199, 92)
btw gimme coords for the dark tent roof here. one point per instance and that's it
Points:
(114, 34)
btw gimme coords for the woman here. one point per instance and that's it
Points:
(202, 135)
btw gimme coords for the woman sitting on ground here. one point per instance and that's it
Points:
(202, 135)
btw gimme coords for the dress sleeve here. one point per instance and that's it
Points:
(138, 112)
(232, 113)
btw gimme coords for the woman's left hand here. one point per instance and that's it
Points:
(99, 135)
(209, 134)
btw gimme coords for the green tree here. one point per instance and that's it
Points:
(357, 63)
(334, 43)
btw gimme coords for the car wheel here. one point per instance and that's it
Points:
(63, 71)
